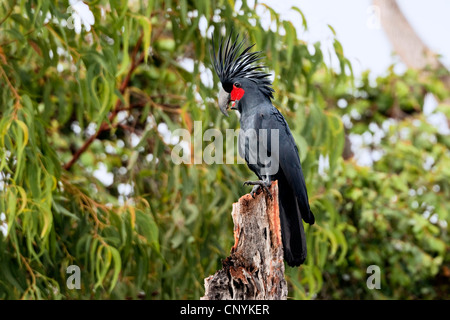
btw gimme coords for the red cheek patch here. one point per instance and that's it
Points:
(237, 93)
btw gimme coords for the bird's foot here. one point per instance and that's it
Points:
(257, 186)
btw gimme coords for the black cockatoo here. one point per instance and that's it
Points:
(248, 88)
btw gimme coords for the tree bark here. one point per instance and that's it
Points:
(411, 49)
(255, 268)
(405, 41)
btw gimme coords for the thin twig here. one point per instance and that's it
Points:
(4, 44)
(33, 277)
(171, 108)
(8, 13)
(13, 90)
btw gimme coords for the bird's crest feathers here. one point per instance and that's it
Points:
(231, 64)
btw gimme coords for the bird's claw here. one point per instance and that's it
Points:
(254, 191)
(257, 185)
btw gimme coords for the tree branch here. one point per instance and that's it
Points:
(11, 9)
(106, 124)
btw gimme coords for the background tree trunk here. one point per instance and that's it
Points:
(405, 41)
(255, 268)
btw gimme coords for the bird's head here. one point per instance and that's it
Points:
(239, 73)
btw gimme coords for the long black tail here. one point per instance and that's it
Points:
(292, 231)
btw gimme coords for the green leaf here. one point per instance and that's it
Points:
(147, 30)
(117, 267)
(305, 25)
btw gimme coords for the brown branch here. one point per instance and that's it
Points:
(171, 108)
(168, 95)
(127, 128)
(106, 124)
(4, 44)
(11, 9)
(13, 89)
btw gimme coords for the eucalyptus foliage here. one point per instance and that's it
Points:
(75, 104)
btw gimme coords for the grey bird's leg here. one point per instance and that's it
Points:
(260, 184)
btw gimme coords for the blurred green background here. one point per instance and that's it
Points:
(90, 94)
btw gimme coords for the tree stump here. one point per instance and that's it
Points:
(255, 268)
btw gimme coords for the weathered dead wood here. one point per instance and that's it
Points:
(255, 268)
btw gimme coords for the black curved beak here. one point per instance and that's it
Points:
(224, 100)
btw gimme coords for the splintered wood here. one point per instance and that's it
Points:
(255, 268)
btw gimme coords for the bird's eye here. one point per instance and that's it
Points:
(237, 84)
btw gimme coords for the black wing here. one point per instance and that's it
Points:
(293, 197)
(289, 161)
